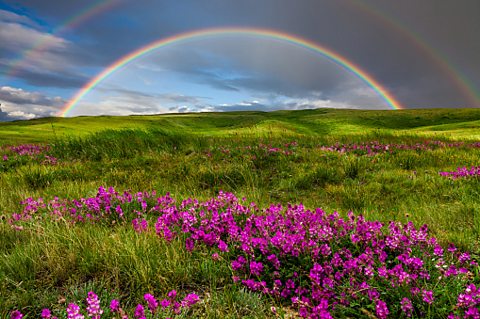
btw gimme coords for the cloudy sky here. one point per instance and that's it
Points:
(424, 53)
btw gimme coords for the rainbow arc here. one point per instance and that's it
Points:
(215, 32)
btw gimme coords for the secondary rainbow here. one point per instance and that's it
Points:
(461, 81)
(36, 50)
(266, 33)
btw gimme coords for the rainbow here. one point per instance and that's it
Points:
(266, 33)
(462, 83)
(35, 51)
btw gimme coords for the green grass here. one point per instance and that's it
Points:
(168, 153)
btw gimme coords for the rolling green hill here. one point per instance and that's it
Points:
(439, 123)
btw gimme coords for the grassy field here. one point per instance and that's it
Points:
(267, 158)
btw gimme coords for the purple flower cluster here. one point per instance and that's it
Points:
(106, 206)
(170, 306)
(462, 172)
(27, 151)
(73, 312)
(469, 301)
(364, 148)
(320, 263)
(93, 309)
(47, 314)
(16, 315)
(375, 147)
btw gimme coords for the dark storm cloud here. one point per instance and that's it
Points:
(18, 103)
(387, 51)
(437, 44)
(60, 80)
(253, 64)
(450, 28)
(180, 98)
(162, 97)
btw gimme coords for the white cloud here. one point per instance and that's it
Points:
(299, 104)
(279, 104)
(21, 104)
(21, 115)
(120, 104)
(21, 96)
(128, 102)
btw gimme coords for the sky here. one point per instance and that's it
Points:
(423, 54)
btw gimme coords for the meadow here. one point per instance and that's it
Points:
(180, 213)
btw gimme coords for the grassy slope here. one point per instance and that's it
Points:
(447, 123)
(168, 155)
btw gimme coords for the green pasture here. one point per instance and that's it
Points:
(168, 153)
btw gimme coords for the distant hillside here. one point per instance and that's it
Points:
(441, 123)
